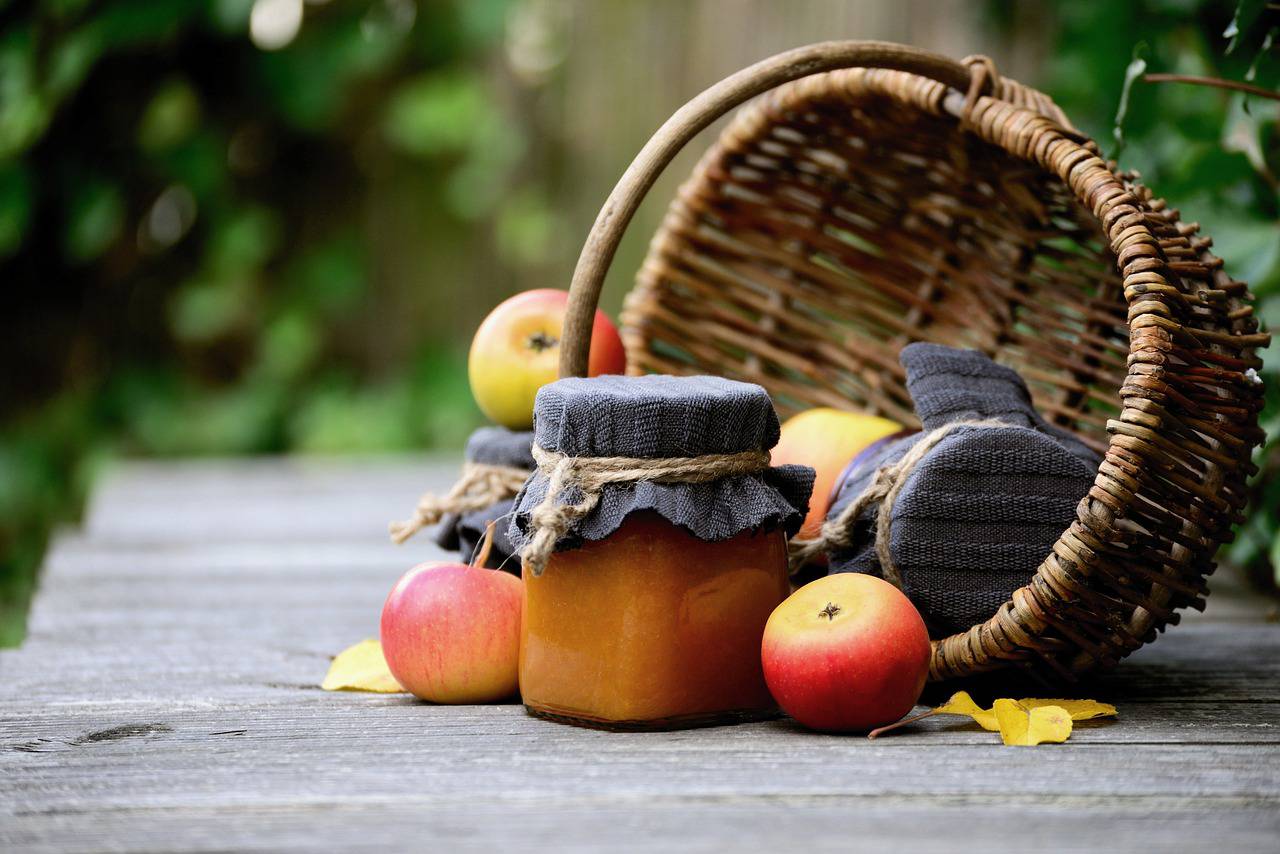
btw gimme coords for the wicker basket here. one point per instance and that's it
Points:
(893, 195)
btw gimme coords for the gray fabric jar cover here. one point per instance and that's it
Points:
(982, 509)
(660, 416)
(461, 532)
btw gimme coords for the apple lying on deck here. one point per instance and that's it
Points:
(846, 653)
(451, 633)
(826, 440)
(516, 351)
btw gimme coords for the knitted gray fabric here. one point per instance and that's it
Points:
(461, 533)
(663, 416)
(983, 508)
(498, 446)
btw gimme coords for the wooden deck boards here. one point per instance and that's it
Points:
(166, 699)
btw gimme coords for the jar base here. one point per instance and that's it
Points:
(703, 719)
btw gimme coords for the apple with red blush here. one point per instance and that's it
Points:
(451, 633)
(516, 351)
(846, 653)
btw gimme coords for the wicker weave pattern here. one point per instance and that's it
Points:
(844, 215)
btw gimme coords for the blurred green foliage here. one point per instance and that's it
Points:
(185, 236)
(1214, 154)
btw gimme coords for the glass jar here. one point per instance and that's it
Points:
(653, 545)
(652, 628)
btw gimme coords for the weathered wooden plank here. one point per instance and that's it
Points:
(197, 594)
(162, 662)
(231, 479)
(54, 726)
(398, 749)
(267, 499)
(77, 559)
(797, 823)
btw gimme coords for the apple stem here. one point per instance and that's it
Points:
(882, 730)
(486, 546)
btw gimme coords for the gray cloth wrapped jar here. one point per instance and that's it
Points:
(462, 532)
(656, 418)
(975, 516)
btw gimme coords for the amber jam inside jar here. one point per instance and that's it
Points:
(652, 628)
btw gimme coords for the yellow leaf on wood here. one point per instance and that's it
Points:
(361, 668)
(1080, 710)
(1025, 727)
(962, 704)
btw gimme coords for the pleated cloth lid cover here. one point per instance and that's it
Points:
(660, 416)
(982, 509)
(461, 532)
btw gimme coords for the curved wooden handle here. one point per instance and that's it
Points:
(686, 123)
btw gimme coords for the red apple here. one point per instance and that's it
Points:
(826, 440)
(451, 633)
(516, 351)
(848, 652)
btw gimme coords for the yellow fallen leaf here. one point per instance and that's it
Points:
(361, 668)
(1025, 727)
(1080, 710)
(962, 704)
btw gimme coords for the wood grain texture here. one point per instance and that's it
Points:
(167, 699)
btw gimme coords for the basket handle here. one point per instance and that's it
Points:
(686, 123)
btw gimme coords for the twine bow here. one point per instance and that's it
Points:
(551, 519)
(884, 488)
(479, 486)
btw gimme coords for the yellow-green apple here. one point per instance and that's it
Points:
(451, 633)
(826, 440)
(846, 653)
(516, 351)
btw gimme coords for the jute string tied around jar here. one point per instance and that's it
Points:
(551, 520)
(884, 488)
(479, 486)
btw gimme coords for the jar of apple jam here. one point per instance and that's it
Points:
(653, 539)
